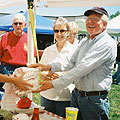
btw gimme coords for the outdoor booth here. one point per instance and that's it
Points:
(44, 29)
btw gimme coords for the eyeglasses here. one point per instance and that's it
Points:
(61, 31)
(16, 23)
(94, 19)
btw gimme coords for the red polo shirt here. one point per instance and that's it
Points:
(13, 49)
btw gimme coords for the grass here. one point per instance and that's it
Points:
(114, 98)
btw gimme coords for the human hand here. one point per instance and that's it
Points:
(52, 76)
(47, 76)
(45, 85)
(21, 84)
(42, 66)
(34, 65)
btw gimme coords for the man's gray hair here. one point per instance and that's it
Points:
(19, 16)
(105, 18)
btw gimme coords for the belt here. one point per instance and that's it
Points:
(91, 93)
(11, 65)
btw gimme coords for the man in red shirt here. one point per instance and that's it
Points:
(13, 47)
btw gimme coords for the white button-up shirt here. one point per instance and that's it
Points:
(50, 54)
(91, 65)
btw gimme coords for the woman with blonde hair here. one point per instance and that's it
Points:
(53, 100)
(73, 32)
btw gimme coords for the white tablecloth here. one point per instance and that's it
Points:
(45, 115)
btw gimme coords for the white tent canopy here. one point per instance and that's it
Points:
(62, 3)
(11, 3)
(75, 3)
(114, 23)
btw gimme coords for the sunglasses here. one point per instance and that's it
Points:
(16, 23)
(61, 31)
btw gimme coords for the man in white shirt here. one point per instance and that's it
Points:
(90, 68)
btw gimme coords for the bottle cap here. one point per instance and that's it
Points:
(36, 110)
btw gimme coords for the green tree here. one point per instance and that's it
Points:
(114, 15)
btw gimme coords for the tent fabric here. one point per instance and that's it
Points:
(7, 3)
(114, 24)
(43, 25)
(76, 3)
(62, 3)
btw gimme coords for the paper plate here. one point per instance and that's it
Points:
(20, 117)
(30, 110)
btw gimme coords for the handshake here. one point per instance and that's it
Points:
(47, 76)
(33, 76)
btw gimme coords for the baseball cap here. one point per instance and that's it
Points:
(99, 10)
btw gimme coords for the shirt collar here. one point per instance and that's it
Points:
(98, 36)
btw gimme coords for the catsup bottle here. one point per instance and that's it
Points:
(35, 114)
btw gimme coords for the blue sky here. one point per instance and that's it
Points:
(69, 11)
(112, 10)
(74, 10)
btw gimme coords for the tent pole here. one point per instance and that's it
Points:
(30, 37)
(30, 41)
